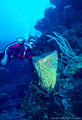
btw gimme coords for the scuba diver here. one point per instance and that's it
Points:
(19, 49)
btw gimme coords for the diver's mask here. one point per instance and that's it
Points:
(32, 43)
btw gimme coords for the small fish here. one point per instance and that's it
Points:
(67, 6)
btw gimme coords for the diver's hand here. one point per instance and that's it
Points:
(4, 60)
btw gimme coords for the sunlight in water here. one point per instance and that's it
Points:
(17, 17)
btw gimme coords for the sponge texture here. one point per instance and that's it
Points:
(46, 67)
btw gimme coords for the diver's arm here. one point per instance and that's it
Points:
(6, 52)
(11, 46)
(5, 57)
(4, 60)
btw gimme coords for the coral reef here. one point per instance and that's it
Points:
(62, 31)
(14, 114)
(42, 99)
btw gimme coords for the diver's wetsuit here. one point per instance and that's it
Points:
(17, 50)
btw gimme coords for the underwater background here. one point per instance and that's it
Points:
(60, 22)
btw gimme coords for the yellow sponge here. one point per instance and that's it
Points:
(46, 67)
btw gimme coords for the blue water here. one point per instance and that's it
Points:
(17, 18)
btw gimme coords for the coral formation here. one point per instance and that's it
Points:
(46, 67)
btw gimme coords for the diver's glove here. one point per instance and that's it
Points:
(4, 60)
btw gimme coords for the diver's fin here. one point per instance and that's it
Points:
(4, 68)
